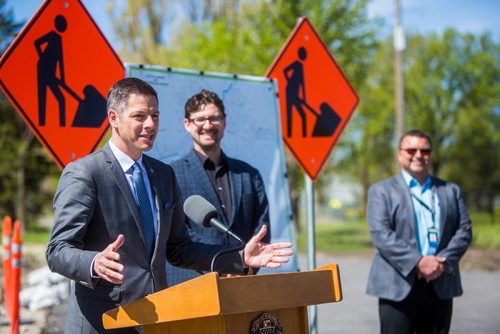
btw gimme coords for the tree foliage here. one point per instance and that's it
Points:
(139, 25)
(453, 92)
(25, 164)
(238, 36)
(452, 86)
(451, 83)
(366, 153)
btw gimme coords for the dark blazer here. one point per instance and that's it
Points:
(93, 204)
(391, 221)
(250, 209)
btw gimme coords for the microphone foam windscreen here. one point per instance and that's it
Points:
(199, 210)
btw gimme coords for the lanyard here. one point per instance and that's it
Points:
(432, 209)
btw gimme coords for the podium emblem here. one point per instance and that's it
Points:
(266, 323)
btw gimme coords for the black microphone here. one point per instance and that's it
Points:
(204, 214)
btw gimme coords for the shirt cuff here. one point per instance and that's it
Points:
(247, 270)
(92, 273)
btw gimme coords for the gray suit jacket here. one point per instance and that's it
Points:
(93, 204)
(250, 209)
(392, 226)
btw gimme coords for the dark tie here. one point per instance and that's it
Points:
(144, 208)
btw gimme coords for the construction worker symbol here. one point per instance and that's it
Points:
(91, 110)
(326, 120)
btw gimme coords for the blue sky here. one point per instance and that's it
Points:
(475, 16)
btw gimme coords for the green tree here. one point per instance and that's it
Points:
(452, 86)
(25, 164)
(138, 25)
(454, 94)
(245, 36)
(367, 152)
(8, 28)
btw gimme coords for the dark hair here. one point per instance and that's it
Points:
(204, 97)
(119, 93)
(415, 133)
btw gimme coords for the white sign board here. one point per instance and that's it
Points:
(253, 131)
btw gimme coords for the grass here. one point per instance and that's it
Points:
(337, 237)
(36, 235)
(352, 235)
(340, 236)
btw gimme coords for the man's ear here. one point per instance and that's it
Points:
(113, 118)
(186, 124)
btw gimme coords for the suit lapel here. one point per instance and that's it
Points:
(196, 168)
(443, 204)
(235, 185)
(404, 191)
(154, 183)
(120, 180)
(122, 183)
(203, 180)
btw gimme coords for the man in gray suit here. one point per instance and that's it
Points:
(421, 229)
(234, 187)
(118, 218)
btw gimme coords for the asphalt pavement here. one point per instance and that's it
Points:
(474, 312)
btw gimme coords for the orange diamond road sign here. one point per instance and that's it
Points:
(316, 100)
(57, 74)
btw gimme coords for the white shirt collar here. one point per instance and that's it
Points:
(124, 160)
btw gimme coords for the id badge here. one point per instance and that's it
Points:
(432, 235)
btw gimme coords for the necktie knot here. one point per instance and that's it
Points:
(136, 170)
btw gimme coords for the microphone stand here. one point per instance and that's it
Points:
(229, 250)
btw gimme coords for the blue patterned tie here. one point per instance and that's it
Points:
(144, 208)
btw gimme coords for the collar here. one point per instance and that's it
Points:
(124, 160)
(209, 164)
(411, 182)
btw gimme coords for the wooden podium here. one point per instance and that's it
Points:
(244, 304)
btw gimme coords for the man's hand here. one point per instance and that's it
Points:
(259, 254)
(430, 267)
(107, 263)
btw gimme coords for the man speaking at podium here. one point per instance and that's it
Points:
(118, 218)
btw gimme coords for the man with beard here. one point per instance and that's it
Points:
(234, 187)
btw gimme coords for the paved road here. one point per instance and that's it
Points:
(475, 312)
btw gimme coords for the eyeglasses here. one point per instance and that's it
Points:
(200, 121)
(413, 151)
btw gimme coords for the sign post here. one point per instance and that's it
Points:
(311, 247)
(57, 73)
(316, 102)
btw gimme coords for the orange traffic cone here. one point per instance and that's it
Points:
(16, 276)
(6, 240)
